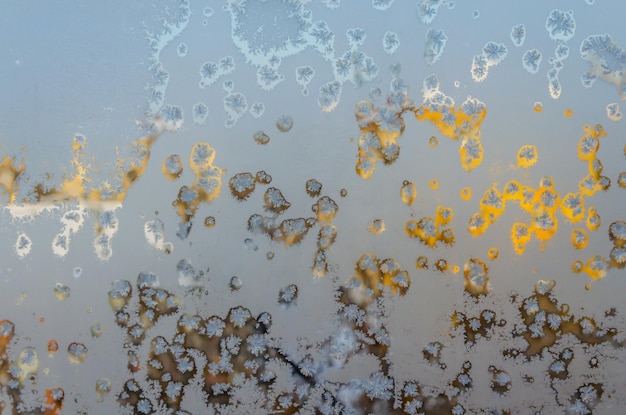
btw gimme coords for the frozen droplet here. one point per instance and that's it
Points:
(76, 352)
(97, 329)
(61, 291)
(77, 272)
(250, 244)
(103, 387)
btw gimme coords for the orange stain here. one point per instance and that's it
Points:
(54, 401)
(53, 347)
(6, 335)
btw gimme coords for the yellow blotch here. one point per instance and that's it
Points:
(434, 184)
(376, 143)
(580, 239)
(520, 236)
(546, 182)
(442, 265)
(172, 167)
(421, 262)
(376, 227)
(471, 152)
(432, 231)
(424, 230)
(326, 209)
(598, 131)
(444, 215)
(527, 156)
(593, 219)
(547, 200)
(596, 267)
(207, 182)
(573, 207)
(589, 185)
(9, 174)
(568, 112)
(493, 253)
(513, 190)
(27, 362)
(492, 205)
(477, 224)
(476, 276)
(396, 279)
(544, 226)
(466, 193)
(375, 275)
(433, 141)
(538, 106)
(209, 221)
(74, 186)
(528, 200)
(464, 125)
(447, 236)
(408, 192)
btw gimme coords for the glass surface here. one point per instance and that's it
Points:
(312, 207)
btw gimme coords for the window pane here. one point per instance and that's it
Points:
(295, 206)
